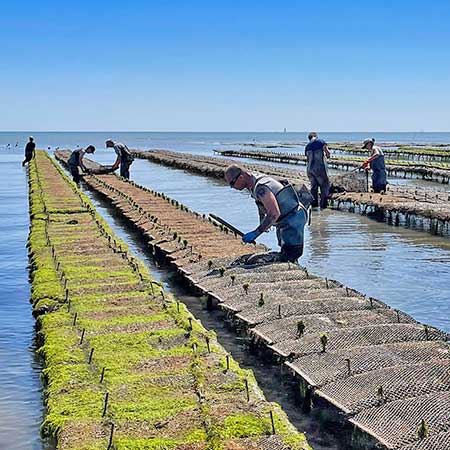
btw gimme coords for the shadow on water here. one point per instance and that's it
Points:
(276, 388)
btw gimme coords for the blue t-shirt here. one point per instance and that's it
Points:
(314, 145)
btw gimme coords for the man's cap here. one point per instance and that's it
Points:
(367, 141)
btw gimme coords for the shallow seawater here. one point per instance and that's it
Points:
(21, 406)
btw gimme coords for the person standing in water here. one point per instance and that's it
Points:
(278, 204)
(377, 164)
(76, 161)
(316, 151)
(29, 151)
(124, 158)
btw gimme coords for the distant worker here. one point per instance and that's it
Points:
(76, 161)
(377, 164)
(278, 205)
(124, 158)
(29, 150)
(316, 169)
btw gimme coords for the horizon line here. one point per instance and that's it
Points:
(217, 131)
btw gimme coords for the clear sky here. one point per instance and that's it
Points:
(225, 66)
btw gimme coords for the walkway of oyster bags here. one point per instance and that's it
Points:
(409, 169)
(385, 371)
(421, 208)
(124, 361)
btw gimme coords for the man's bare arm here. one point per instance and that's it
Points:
(266, 197)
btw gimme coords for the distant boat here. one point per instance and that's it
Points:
(285, 130)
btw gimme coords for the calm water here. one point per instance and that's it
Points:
(20, 389)
(407, 269)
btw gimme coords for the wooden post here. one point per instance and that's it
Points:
(82, 335)
(272, 422)
(102, 375)
(349, 369)
(105, 404)
(247, 389)
(90, 355)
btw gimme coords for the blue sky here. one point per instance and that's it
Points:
(225, 66)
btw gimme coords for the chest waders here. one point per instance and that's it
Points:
(316, 170)
(73, 163)
(126, 158)
(293, 217)
(379, 178)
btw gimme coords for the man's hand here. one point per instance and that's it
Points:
(365, 165)
(250, 237)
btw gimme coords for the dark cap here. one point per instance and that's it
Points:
(367, 141)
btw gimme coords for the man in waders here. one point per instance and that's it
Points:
(316, 169)
(124, 158)
(76, 160)
(278, 204)
(29, 150)
(377, 164)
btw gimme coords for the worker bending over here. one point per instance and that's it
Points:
(278, 205)
(124, 158)
(377, 164)
(76, 161)
(316, 169)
